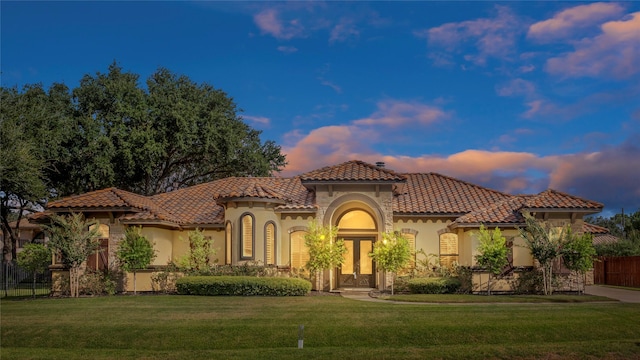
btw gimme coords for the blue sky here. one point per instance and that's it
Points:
(516, 96)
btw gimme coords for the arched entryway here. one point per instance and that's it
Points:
(359, 230)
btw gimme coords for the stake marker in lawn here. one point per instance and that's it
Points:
(300, 336)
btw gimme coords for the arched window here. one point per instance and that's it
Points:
(100, 260)
(356, 219)
(270, 243)
(247, 236)
(299, 251)
(227, 241)
(448, 249)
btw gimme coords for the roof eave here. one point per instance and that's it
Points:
(488, 224)
(562, 210)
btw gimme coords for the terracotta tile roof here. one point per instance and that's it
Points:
(354, 170)
(558, 200)
(603, 239)
(501, 212)
(422, 194)
(106, 198)
(594, 229)
(198, 204)
(438, 194)
(111, 198)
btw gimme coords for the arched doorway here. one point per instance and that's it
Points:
(358, 228)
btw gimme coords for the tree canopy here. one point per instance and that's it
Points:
(112, 130)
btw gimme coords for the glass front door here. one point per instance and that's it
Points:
(357, 271)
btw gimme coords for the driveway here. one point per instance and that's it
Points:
(629, 296)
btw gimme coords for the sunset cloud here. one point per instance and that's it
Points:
(395, 113)
(259, 120)
(343, 31)
(490, 37)
(269, 22)
(614, 53)
(287, 49)
(611, 173)
(565, 23)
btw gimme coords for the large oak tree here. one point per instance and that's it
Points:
(113, 130)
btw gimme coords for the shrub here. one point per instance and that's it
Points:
(528, 282)
(97, 283)
(165, 281)
(437, 285)
(242, 286)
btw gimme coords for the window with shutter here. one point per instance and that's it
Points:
(246, 242)
(448, 249)
(299, 251)
(270, 244)
(227, 246)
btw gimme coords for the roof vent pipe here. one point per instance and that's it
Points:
(380, 164)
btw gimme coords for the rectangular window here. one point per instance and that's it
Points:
(448, 249)
(366, 263)
(299, 251)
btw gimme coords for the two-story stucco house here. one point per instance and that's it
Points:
(264, 219)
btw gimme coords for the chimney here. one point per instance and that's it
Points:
(380, 164)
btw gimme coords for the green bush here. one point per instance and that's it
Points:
(435, 285)
(242, 286)
(97, 283)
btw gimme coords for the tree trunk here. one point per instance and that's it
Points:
(33, 285)
(489, 285)
(134, 283)
(393, 282)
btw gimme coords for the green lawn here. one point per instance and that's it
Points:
(190, 327)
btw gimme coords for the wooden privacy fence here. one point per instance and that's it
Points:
(617, 270)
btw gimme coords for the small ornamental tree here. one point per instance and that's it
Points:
(196, 260)
(492, 252)
(35, 258)
(578, 253)
(75, 239)
(325, 250)
(135, 252)
(391, 254)
(545, 244)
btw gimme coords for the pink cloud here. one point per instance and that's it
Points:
(261, 120)
(614, 53)
(344, 31)
(515, 87)
(287, 49)
(566, 22)
(609, 176)
(269, 22)
(492, 37)
(393, 113)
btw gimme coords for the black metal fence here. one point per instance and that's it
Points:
(15, 281)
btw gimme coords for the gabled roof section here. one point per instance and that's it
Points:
(354, 170)
(501, 212)
(111, 199)
(200, 204)
(553, 199)
(438, 194)
(594, 229)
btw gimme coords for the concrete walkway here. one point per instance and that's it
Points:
(629, 296)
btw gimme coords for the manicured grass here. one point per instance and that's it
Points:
(456, 298)
(192, 327)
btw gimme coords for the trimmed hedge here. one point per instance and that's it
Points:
(242, 286)
(435, 285)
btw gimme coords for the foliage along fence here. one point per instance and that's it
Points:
(617, 270)
(16, 281)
